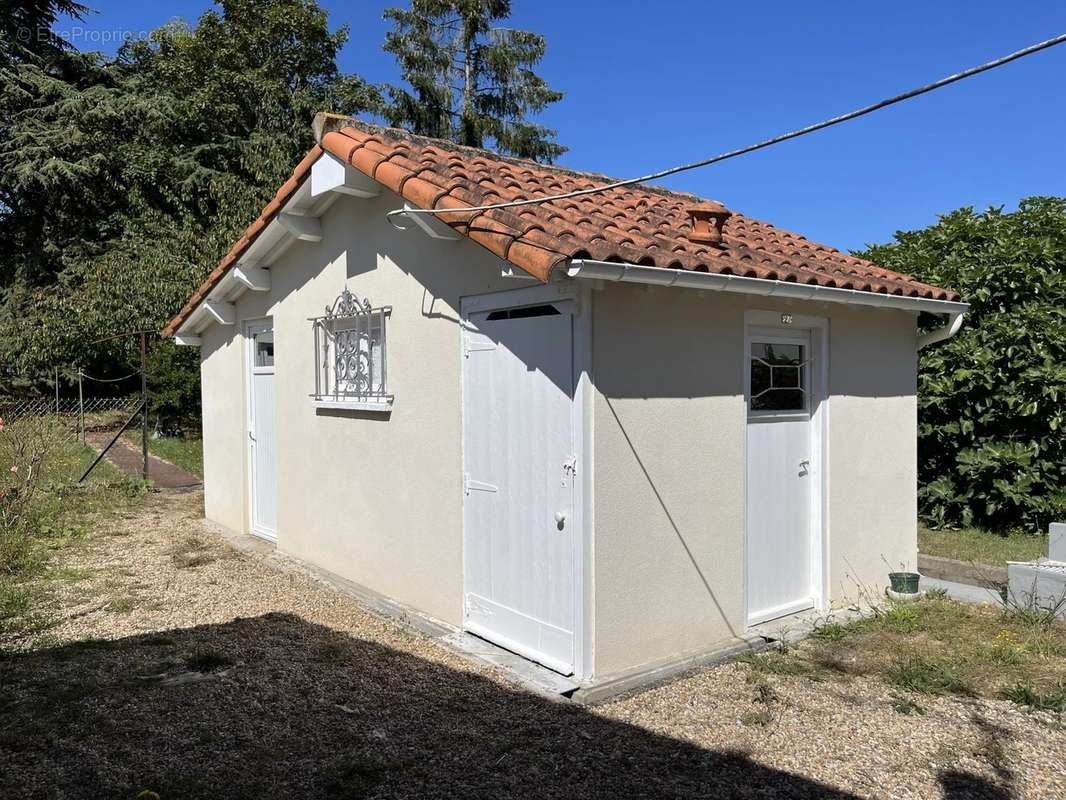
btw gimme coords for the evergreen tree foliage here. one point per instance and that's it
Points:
(124, 180)
(992, 400)
(471, 81)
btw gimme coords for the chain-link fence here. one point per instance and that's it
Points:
(80, 429)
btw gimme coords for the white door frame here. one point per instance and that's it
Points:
(818, 327)
(250, 327)
(582, 427)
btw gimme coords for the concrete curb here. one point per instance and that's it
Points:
(949, 569)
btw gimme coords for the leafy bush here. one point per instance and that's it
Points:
(24, 449)
(992, 400)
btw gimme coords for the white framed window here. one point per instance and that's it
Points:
(351, 355)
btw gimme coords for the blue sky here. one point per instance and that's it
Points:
(649, 85)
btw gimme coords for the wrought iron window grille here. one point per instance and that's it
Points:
(351, 357)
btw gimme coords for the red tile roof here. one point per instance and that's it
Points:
(643, 225)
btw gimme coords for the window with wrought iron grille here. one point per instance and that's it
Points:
(351, 355)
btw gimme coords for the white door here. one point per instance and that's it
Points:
(520, 467)
(262, 439)
(780, 483)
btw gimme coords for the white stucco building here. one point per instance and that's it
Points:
(608, 433)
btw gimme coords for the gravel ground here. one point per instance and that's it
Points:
(181, 667)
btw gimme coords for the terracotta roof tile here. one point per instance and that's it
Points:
(642, 224)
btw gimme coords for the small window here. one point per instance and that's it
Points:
(264, 348)
(524, 313)
(350, 351)
(778, 377)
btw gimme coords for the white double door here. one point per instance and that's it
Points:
(262, 431)
(782, 486)
(519, 480)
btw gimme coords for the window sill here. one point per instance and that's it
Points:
(363, 406)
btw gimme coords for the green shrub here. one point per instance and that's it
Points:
(992, 400)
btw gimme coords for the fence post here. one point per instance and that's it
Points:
(57, 391)
(81, 411)
(144, 403)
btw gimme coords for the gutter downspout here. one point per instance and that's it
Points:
(944, 333)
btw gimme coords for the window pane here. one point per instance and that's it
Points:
(264, 349)
(786, 377)
(780, 400)
(778, 377)
(760, 377)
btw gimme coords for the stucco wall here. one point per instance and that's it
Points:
(376, 499)
(224, 425)
(669, 482)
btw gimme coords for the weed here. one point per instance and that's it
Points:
(1005, 649)
(756, 717)
(904, 705)
(122, 605)
(928, 676)
(1025, 694)
(191, 552)
(936, 593)
(208, 661)
(773, 663)
(833, 631)
(904, 618)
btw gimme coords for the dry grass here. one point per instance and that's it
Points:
(939, 646)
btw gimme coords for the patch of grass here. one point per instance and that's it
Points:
(775, 663)
(16, 597)
(939, 646)
(185, 453)
(918, 673)
(1024, 694)
(208, 661)
(836, 631)
(981, 546)
(70, 574)
(757, 717)
(900, 617)
(122, 605)
(191, 552)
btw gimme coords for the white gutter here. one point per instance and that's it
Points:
(657, 276)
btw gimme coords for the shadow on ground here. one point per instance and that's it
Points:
(274, 706)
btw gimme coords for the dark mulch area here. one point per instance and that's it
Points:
(274, 706)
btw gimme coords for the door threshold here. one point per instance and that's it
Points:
(527, 672)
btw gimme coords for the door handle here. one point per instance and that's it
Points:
(804, 466)
(560, 519)
(251, 436)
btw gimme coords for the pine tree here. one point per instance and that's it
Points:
(471, 82)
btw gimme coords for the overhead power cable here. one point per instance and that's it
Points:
(899, 98)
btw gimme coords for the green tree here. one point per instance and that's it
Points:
(472, 82)
(123, 183)
(992, 400)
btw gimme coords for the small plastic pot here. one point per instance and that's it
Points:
(904, 582)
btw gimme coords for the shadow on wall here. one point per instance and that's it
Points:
(278, 707)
